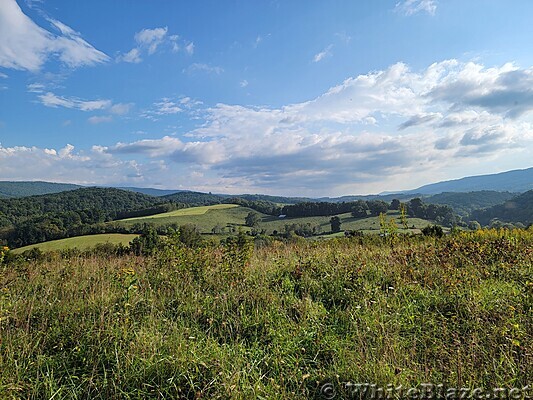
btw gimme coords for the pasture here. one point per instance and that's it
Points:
(79, 242)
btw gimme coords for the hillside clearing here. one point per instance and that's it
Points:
(183, 212)
(79, 242)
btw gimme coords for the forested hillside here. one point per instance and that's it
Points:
(465, 203)
(35, 219)
(22, 189)
(518, 209)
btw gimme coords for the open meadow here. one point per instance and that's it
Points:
(228, 321)
(80, 242)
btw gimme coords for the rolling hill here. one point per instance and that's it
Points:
(26, 188)
(518, 209)
(465, 203)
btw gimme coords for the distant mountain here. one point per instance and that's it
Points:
(151, 191)
(518, 209)
(517, 181)
(388, 196)
(194, 198)
(269, 198)
(33, 188)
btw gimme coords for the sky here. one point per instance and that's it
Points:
(300, 97)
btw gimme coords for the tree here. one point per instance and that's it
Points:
(335, 224)
(359, 209)
(417, 208)
(147, 243)
(217, 229)
(474, 225)
(377, 207)
(394, 204)
(252, 219)
(190, 236)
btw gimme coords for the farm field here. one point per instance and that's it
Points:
(183, 212)
(366, 225)
(230, 215)
(204, 217)
(80, 242)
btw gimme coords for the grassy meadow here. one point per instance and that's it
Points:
(79, 242)
(231, 322)
(233, 216)
(204, 217)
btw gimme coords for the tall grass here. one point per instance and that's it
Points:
(222, 322)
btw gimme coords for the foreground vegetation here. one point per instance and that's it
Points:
(227, 321)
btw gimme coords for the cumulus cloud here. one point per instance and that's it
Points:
(63, 165)
(148, 41)
(323, 143)
(411, 7)
(365, 134)
(26, 46)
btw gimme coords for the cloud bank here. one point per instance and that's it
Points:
(366, 134)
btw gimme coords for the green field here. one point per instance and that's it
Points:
(183, 212)
(231, 216)
(205, 217)
(80, 242)
(366, 225)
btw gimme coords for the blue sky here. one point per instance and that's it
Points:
(278, 97)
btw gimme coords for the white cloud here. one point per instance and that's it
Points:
(323, 54)
(121, 108)
(3, 76)
(199, 67)
(150, 40)
(366, 134)
(167, 106)
(411, 7)
(132, 56)
(26, 46)
(35, 88)
(49, 99)
(63, 165)
(99, 119)
(189, 48)
(243, 83)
